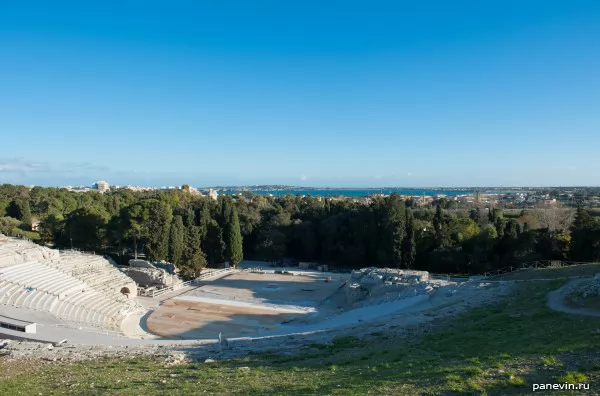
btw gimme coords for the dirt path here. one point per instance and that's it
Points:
(556, 301)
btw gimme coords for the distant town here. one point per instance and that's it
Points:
(507, 197)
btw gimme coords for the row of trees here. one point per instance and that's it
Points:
(174, 227)
(192, 231)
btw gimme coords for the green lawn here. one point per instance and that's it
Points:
(592, 302)
(500, 349)
(551, 273)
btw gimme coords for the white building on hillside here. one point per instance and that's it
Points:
(101, 186)
(213, 194)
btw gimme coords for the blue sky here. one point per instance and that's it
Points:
(336, 93)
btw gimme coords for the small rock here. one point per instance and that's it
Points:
(210, 361)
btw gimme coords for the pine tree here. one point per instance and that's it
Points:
(234, 251)
(176, 240)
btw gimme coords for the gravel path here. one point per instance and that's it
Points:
(556, 301)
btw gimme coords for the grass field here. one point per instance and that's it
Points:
(551, 272)
(496, 350)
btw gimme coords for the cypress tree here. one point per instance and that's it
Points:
(396, 212)
(204, 221)
(176, 240)
(25, 214)
(409, 247)
(233, 251)
(193, 259)
(438, 225)
(492, 215)
(189, 218)
(499, 224)
(215, 245)
(160, 215)
(224, 212)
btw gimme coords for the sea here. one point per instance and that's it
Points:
(354, 192)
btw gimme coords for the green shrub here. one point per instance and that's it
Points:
(572, 377)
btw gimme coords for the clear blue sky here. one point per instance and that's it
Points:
(315, 93)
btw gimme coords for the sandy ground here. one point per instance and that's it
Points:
(243, 304)
(180, 318)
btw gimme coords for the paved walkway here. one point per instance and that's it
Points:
(556, 301)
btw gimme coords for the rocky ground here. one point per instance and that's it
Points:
(584, 289)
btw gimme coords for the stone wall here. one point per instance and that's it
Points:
(374, 282)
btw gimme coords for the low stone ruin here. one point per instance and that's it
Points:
(146, 274)
(374, 282)
(141, 264)
(585, 289)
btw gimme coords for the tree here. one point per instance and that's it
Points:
(552, 218)
(160, 215)
(26, 215)
(440, 228)
(193, 259)
(214, 243)
(233, 239)
(225, 215)
(409, 247)
(391, 214)
(20, 210)
(9, 226)
(50, 228)
(134, 219)
(86, 228)
(585, 237)
(512, 229)
(499, 224)
(176, 240)
(552, 244)
(475, 214)
(271, 245)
